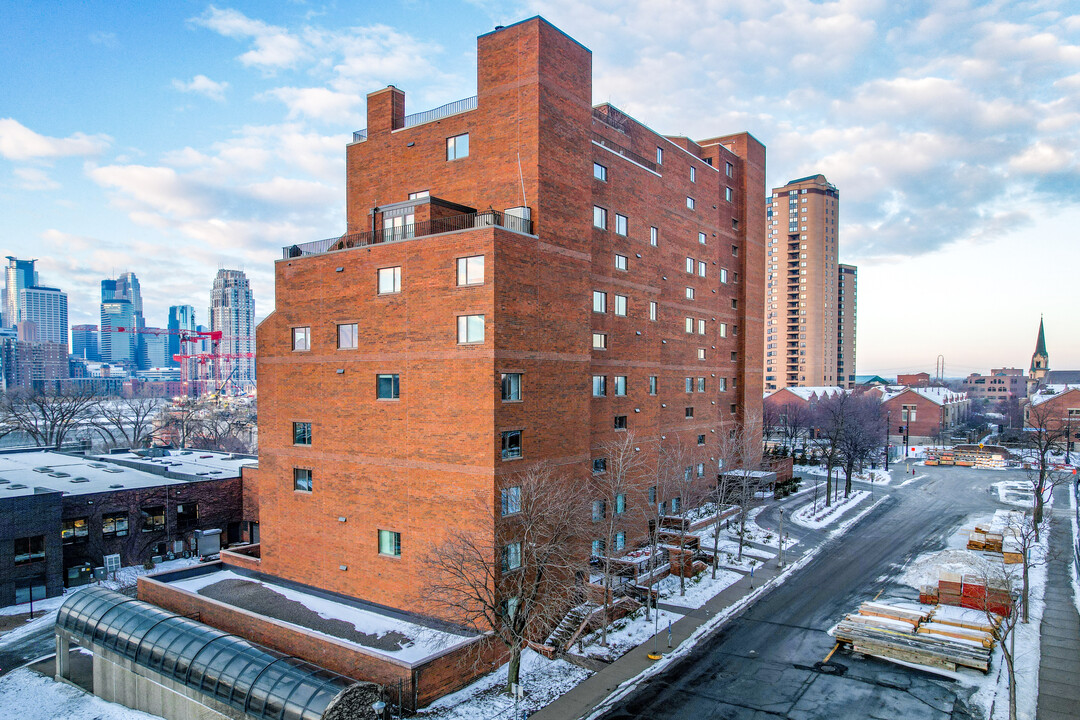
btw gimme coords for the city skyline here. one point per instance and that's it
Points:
(207, 137)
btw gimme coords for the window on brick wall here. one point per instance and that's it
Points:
(114, 525)
(457, 147)
(511, 500)
(700, 327)
(599, 301)
(153, 518)
(29, 549)
(691, 202)
(690, 325)
(187, 515)
(622, 224)
(729, 194)
(620, 305)
(620, 422)
(390, 543)
(387, 387)
(620, 385)
(689, 412)
(301, 338)
(599, 385)
(659, 156)
(700, 439)
(348, 338)
(389, 280)
(702, 238)
(511, 444)
(511, 556)
(723, 329)
(302, 480)
(701, 268)
(652, 310)
(621, 262)
(599, 217)
(599, 171)
(654, 236)
(301, 433)
(690, 293)
(701, 384)
(75, 530)
(511, 386)
(693, 174)
(470, 270)
(599, 341)
(599, 510)
(701, 353)
(470, 329)
(729, 169)
(723, 275)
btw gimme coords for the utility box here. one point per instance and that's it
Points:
(208, 542)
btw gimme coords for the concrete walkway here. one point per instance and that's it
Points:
(1059, 664)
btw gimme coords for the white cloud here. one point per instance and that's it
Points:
(35, 179)
(319, 103)
(1040, 158)
(18, 142)
(274, 47)
(160, 189)
(203, 86)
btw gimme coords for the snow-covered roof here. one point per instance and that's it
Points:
(1047, 392)
(22, 472)
(807, 393)
(936, 395)
(183, 464)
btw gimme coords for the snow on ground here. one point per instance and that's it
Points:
(1021, 493)
(754, 532)
(629, 632)
(699, 589)
(927, 569)
(47, 618)
(25, 695)
(817, 514)
(543, 681)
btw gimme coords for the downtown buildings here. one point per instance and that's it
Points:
(232, 313)
(810, 298)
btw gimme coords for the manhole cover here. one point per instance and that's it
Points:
(830, 668)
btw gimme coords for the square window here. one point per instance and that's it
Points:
(511, 444)
(348, 338)
(301, 479)
(652, 310)
(599, 301)
(620, 422)
(511, 386)
(511, 501)
(690, 202)
(390, 543)
(689, 412)
(301, 433)
(470, 270)
(599, 217)
(77, 530)
(700, 327)
(654, 236)
(690, 325)
(620, 305)
(470, 329)
(301, 338)
(701, 238)
(599, 341)
(153, 518)
(599, 171)
(114, 525)
(457, 147)
(599, 385)
(620, 385)
(689, 293)
(652, 384)
(622, 224)
(387, 387)
(701, 268)
(32, 549)
(389, 280)
(621, 262)
(511, 559)
(599, 465)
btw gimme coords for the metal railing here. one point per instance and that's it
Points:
(613, 117)
(454, 223)
(452, 108)
(359, 135)
(625, 152)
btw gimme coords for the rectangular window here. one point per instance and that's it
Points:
(599, 341)
(652, 495)
(723, 329)
(701, 238)
(723, 275)
(676, 504)
(30, 549)
(693, 174)
(599, 465)
(301, 338)
(387, 387)
(689, 412)
(621, 262)
(690, 265)
(511, 386)
(654, 236)
(301, 433)
(511, 500)
(114, 525)
(511, 444)
(659, 156)
(620, 503)
(620, 385)
(729, 194)
(620, 305)
(187, 515)
(622, 224)
(701, 268)
(722, 384)
(599, 171)
(301, 479)
(599, 301)
(620, 422)
(599, 217)
(348, 338)
(689, 385)
(690, 325)
(729, 169)
(700, 327)
(652, 384)
(74, 530)
(652, 310)
(599, 385)
(597, 548)
(700, 439)
(701, 384)
(470, 270)
(689, 293)
(690, 202)
(457, 147)
(620, 540)
(389, 280)
(599, 510)
(511, 556)
(470, 329)
(419, 194)
(390, 543)
(153, 518)
(701, 353)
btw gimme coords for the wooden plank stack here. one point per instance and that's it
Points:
(928, 595)
(950, 587)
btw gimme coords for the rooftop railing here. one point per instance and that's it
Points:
(454, 223)
(443, 111)
(625, 152)
(613, 117)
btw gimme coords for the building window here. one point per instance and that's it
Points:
(676, 504)
(659, 156)
(599, 341)
(511, 559)
(511, 444)
(599, 466)
(689, 293)
(701, 238)
(599, 385)
(621, 262)
(701, 268)
(652, 495)
(599, 217)
(620, 540)
(347, 336)
(470, 270)
(690, 325)
(620, 305)
(153, 518)
(652, 384)
(701, 384)
(690, 265)
(511, 386)
(689, 385)
(620, 385)
(701, 353)
(511, 500)
(599, 301)
(389, 280)
(387, 387)
(654, 236)
(620, 503)
(693, 174)
(470, 329)
(301, 433)
(621, 224)
(599, 171)
(620, 422)
(700, 327)
(301, 479)
(301, 338)
(729, 194)
(599, 510)
(723, 329)
(690, 202)
(700, 439)
(187, 515)
(114, 525)
(652, 310)
(723, 275)
(74, 530)
(419, 194)
(30, 549)
(689, 412)
(390, 543)
(457, 147)
(729, 169)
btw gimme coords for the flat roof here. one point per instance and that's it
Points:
(22, 472)
(184, 464)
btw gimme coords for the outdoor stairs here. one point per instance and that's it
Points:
(570, 626)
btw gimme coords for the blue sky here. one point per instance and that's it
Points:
(198, 136)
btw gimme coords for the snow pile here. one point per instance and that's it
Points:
(927, 569)
(699, 589)
(543, 681)
(1021, 493)
(629, 632)
(817, 514)
(28, 696)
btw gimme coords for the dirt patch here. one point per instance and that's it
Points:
(260, 599)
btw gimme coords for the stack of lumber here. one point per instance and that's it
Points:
(965, 618)
(1012, 551)
(994, 542)
(950, 586)
(908, 633)
(928, 595)
(976, 541)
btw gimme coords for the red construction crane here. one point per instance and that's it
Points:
(185, 335)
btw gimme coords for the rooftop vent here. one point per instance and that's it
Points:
(114, 470)
(116, 487)
(59, 474)
(97, 465)
(79, 480)
(43, 469)
(17, 486)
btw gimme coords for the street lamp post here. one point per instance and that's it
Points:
(888, 426)
(781, 563)
(1068, 436)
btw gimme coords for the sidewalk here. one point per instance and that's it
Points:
(1059, 663)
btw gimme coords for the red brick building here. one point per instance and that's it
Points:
(922, 415)
(523, 276)
(1057, 409)
(919, 379)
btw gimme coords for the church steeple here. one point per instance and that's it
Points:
(1040, 359)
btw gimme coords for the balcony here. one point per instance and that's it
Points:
(437, 226)
(443, 111)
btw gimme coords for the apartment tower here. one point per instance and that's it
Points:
(18, 274)
(802, 288)
(47, 309)
(847, 296)
(524, 276)
(232, 311)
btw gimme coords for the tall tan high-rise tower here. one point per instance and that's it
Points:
(803, 345)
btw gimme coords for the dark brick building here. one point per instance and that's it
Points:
(523, 276)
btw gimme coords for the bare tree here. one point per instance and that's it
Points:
(208, 424)
(681, 470)
(831, 420)
(744, 449)
(518, 580)
(1022, 533)
(771, 421)
(724, 492)
(127, 422)
(794, 423)
(1003, 576)
(47, 417)
(861, 436)
(1044, 432)
(182, 421)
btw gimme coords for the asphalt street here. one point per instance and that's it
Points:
(766, 663)
(25, 648)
